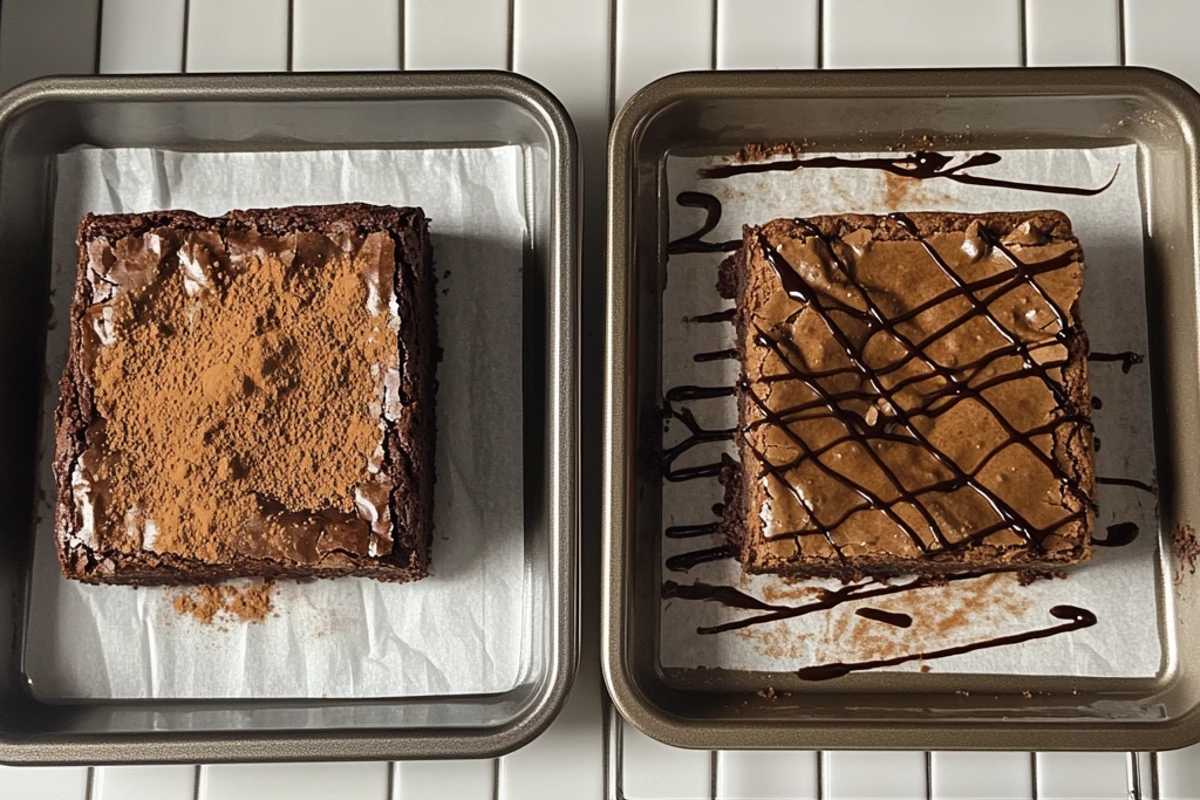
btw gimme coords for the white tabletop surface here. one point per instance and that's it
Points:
(594, 54)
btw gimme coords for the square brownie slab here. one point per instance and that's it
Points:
(248, 395)
(914, 395)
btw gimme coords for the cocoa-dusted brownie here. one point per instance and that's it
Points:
(249, 395)
(914, 395)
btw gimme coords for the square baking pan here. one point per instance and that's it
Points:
(232, 113)
(698, 114)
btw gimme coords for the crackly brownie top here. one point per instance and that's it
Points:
(241, 387)
(908, 391)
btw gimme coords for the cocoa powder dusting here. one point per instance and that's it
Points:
(206, 603)
(240, 417)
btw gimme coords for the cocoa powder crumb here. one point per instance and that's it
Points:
(206, 602)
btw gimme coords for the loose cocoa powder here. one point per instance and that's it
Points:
(207, 603)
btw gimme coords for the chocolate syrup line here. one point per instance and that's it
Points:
(716, 316)
(1127, 359)
(715, 355)
(1145, 487)
(725, 595)
(692, 242)
(697, 434)
(691, 531)
(832, 599)
(681, 394)
(886, 617)
(685, 561)
(796, 287)
(1078, 618)
(921, 165)
(1119, 535)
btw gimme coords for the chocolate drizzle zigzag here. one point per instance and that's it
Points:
(899, 427)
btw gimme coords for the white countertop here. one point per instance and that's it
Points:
(594, 54)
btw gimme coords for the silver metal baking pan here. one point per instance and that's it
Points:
(870, 111)
(42, 119)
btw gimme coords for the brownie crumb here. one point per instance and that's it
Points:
(762, 151)
(1028, 576)
(205, 603)
(1186, 548)
(925, 668)
(768, 693)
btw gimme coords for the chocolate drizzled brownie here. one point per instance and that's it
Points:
(914, 395)
(248, 395)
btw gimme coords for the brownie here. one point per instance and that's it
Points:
(914, 396)
(249, 395)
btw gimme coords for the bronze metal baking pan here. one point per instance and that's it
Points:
(719, 112)
(272, 112)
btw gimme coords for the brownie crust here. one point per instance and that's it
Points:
(749, 279)
(408, 440)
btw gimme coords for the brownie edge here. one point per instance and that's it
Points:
(407, 438)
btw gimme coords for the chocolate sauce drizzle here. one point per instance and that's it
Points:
(886, 617)
(920, 165)
(691, 531)
(717, 316)
(1127, 359)
(693, 242)
(900, 427)
(827, 599)
(725, 595)
(715, 355)
(1119, 535)
(1076, 619)
(1130, 482)
(685, 561)
(697, 434)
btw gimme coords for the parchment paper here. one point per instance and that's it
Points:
(458, 631)
(1118, 585)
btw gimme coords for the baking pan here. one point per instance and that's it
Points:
(230, 113)
(873, 111)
